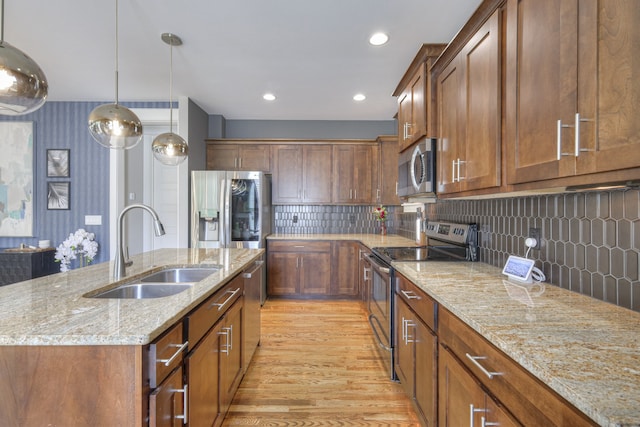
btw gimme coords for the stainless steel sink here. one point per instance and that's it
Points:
(180, 275)
(163, 283)
(144, 290)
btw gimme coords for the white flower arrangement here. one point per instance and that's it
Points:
(80, 244)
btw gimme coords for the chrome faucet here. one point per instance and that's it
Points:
(119, 264)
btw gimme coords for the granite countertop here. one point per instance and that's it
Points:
(369, 240)
(587, 350)
(51, 310)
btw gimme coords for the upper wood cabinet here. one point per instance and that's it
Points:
(302, 173)
(572, 88)
(415, 97)
(469, 118)
(387, 193)
(355, 173)
(242, 157)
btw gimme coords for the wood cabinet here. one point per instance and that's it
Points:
(240, 157)
(572, 88)
(387, 193)
(166, 402)
(465, 358)
(463, 401)
(414, 93)
(469, 118)
(364, 273)
(302, 174)
(345, 268)
(355, 173)
(299, 268)
(231, 361)
(416, 348)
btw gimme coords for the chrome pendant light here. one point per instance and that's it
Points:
(113, 125)
(169, 148)
(23, 85)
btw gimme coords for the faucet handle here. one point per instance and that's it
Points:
(128, 262)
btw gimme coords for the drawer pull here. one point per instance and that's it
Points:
(229, 298)
(472, 412)
(486, 423)
(180, 347)
(409, 294)
(474, 360)
(184, 402)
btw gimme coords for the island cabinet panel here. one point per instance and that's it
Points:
(466, 357)
(231, 353)
(72, 386)
(416, 348)
(572, 88)
(166, 402)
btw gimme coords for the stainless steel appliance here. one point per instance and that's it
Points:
(230, 209)
(446, 242)
(417, 170)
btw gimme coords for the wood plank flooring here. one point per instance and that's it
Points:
(317, 366)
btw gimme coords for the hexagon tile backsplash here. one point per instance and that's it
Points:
(590, 240)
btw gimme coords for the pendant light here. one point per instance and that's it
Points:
(113, 125)
(23, 85)
(169, 148)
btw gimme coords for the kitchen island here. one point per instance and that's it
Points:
(66, 359)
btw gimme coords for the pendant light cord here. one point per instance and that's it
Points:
(116, 52)
(1, 21)
(171, 87)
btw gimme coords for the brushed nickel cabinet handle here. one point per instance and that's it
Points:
(180, 347)
(474, 360)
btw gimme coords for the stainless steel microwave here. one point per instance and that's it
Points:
(417, 170)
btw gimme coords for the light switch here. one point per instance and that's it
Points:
(93, 220)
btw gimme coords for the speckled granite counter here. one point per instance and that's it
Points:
(587, 350)
(52, 310)
(370, 240)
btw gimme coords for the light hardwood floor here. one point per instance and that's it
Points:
(317, 366)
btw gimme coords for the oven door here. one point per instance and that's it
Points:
(380, 307)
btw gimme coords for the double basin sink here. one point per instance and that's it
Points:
(163, 283)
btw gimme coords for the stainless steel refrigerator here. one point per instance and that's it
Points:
(230, 209)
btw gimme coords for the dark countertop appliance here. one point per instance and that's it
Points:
(446, 242)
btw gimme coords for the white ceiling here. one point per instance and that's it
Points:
(313, 55)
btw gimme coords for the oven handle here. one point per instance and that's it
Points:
(375, 332)
(377, 266)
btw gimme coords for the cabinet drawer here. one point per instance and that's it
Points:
(527, 398)
(165, 354)
(209, 312)
(420, 302)
(299, 246)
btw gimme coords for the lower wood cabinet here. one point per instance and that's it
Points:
(167, 402)
(416, 348)
(231, 362)
(312, 268)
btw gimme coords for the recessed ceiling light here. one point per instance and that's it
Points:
(378, 39)
(269, 97)
(359, 97)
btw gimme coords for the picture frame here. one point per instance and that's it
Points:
(58, 195)
(58, 163)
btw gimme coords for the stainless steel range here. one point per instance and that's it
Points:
(446, 242)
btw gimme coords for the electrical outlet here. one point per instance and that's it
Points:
(535, 234)
(352, 219)
(295, 219)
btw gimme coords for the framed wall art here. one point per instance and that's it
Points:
(58, 163)
(58, 194)
(16, 179)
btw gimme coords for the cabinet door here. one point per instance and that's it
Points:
(480, 156)
(418, 104)
(283, 273)
(231, 354)
(541, 88)
(426, 371)
(365, 182)
(202, 366)
(287, 174)
(315, 273)
(222, 157)
(166, 402)
(343, 174)
(388, 176)
(496, 416)
(404, 120)
(608, 85)
(316, 168)
(459, 394)
(404, 347)
(345, 269)
(450, 125)
(254, 158)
